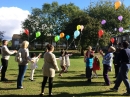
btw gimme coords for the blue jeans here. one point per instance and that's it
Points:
(123, 76)
(22, 70)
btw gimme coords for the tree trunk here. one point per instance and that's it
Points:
(82, 51)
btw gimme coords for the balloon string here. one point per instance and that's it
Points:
(97, 44)
(33, 39)
(70, 44)
(80, 39)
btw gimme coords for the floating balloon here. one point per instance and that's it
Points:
(120, 29)
(117, 4)
(120, 18)
(78, 27)
(38, 34)
(67, 37)
(26, 31)
(56, 38)
(81, 27)
(62, 35)
(103, 22)
(112, 40)
(100, 33)
(76, 34)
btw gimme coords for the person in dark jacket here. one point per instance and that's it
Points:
(125, 66)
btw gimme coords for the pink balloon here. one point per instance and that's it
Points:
(120, 29)
(103, 22)
(82, 27)
(120, 18)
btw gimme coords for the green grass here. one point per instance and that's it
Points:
(72, 84)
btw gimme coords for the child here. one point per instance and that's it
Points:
(107, 63)
(62, 63)
(89, 66)
(96, 66)
(34, 65)
(67, 60)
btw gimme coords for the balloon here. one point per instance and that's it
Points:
(81, 27)
(120, 18)
(117, 4)
(67, 37)
(57, 38)
(61, 35)
(120, 29)
(112, 40)
(38, 34)
(78, 27)
(76, 34)
(100, 33)
(26, 31)
(103, 22)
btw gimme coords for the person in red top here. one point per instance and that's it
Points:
(96, 66)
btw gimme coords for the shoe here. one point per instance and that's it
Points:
(20, 87)
(42, 94)
(113, 89)
(60, 75)
(31, 79)
(126, 94)
(50, 94)
(89, 80)
(5, 79)
(106, 84)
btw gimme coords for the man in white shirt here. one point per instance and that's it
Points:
(5, 52)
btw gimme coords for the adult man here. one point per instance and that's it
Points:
(5, 57)
(124, 58)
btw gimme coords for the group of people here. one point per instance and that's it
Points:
(122, 57)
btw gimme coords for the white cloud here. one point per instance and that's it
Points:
(11, 19)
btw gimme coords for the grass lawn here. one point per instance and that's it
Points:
(72, 84)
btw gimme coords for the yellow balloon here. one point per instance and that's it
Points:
(78, 27)
(117, 4)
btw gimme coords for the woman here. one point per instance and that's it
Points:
(24, 52)
(49, 67)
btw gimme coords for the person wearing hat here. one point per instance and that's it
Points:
(107, 63)
(124, 58)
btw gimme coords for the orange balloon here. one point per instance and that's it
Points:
(117, 4)
(62, 35)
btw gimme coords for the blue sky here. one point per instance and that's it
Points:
(14, 12)
(27, 4)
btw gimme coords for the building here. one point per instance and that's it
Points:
(16, 41)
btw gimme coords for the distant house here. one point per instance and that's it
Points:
(16, 41)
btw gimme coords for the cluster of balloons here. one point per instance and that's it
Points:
(117, 4)
(77, 32)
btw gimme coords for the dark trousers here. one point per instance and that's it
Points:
(4, 68)
(106, 69)
(44, 83)
(116, 69)
(123, 76)
(88, 72)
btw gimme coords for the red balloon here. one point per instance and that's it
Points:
(112, 40)
(100, 33)
(26, 31)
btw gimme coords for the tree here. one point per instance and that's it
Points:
(1, 36)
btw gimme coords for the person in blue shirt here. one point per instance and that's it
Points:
(107, 63)
(89, 66)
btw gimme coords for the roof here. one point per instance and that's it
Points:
(16, 36)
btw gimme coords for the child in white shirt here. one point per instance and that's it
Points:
(33, 65)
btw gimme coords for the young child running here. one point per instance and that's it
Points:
(96, 66)
(62, 63)
(107, 64)
(67, 60)
(33, 66)
(89, 66)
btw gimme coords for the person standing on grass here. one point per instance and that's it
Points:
(89, 66)
(5, 52)
(24, 52)
(124, 69)
(107, 63)
(96, 65)
(67, 60)
(33, 65)
(49, 68)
